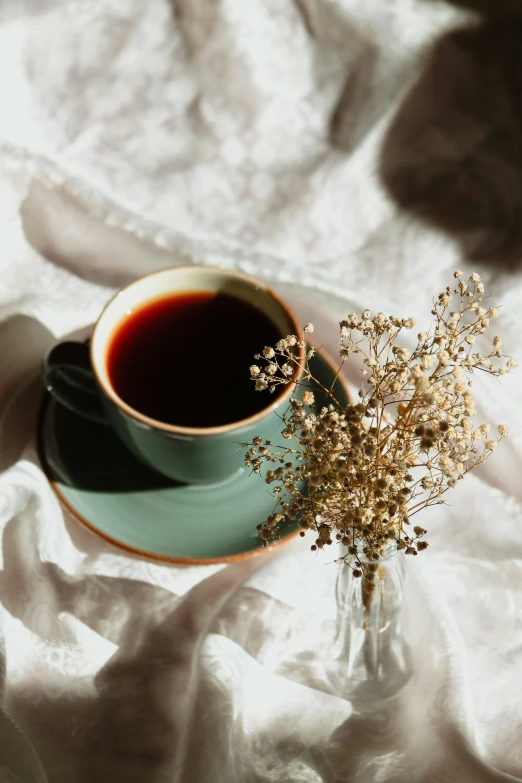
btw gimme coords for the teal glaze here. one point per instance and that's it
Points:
(137, 508)
(192, 459)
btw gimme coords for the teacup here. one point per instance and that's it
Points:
(78, 376)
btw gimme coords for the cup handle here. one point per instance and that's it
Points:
(68, 377)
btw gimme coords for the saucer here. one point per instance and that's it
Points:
(115, 496)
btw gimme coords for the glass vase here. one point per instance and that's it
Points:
(371, 661)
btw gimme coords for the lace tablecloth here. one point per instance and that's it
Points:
(251, 134)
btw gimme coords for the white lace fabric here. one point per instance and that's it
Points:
(159, 133)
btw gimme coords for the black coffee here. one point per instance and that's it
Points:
(184, 359)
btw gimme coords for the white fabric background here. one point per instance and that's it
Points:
(137, 135)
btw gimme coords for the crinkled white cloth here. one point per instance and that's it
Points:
(137, 135)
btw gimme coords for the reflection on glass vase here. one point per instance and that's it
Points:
(371, 659)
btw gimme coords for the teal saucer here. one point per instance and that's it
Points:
(123, 501)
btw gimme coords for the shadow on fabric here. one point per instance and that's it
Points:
(381, 746)
(492, 8)
(453, 154)
(133, 721)
(24, 341)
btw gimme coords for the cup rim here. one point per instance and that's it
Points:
(175, 429)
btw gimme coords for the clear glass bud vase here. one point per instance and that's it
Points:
(370, 657)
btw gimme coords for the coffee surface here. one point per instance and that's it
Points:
(184, 359)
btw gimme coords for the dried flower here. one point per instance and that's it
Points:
(357, 473)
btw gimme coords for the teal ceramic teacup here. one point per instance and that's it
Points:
(78, 376)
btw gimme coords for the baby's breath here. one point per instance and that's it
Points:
(356, 474)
